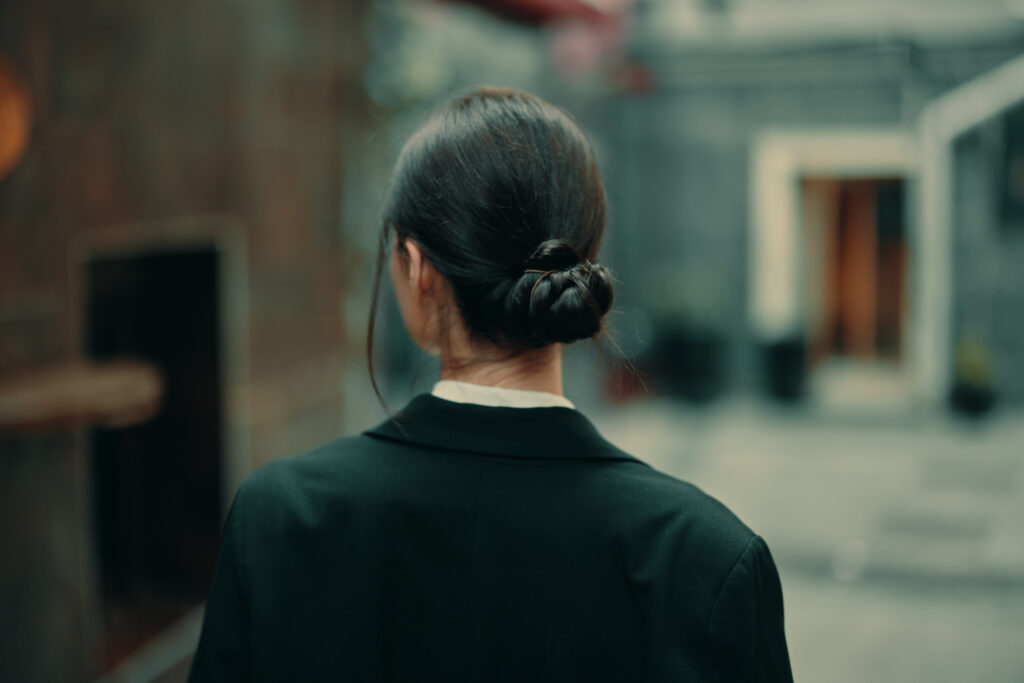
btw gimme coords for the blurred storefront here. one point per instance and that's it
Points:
(780, 183)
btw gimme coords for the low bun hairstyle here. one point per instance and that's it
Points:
(501, 192)
(560, 298)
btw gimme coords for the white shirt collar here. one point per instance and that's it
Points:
(503, 397)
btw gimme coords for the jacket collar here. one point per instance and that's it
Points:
(529, 433)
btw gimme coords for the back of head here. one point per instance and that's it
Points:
(501, 192)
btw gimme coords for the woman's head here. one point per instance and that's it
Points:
(499, 192)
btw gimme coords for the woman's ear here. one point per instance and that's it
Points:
(423, 277)
(420, 290)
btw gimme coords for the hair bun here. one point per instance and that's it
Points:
(553, 254)
(561, 301)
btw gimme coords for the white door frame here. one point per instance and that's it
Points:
(780, 159)
(942, 121)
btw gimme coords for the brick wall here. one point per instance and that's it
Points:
(145, 113)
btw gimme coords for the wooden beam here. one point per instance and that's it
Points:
(113, 394)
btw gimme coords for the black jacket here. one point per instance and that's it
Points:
(472, 543)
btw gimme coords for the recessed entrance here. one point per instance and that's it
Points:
(830, 262)
(856, 263)
(157, 485)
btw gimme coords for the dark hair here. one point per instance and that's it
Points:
(501, 192)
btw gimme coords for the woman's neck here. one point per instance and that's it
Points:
(533, 370)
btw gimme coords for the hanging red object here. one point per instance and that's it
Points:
(539, 12)
(15, 115)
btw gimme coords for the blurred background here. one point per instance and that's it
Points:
(817, 225)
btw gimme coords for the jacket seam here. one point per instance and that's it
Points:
(241, 561)
(714, 605)
(472, 660)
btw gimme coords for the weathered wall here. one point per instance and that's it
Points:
(146, 113)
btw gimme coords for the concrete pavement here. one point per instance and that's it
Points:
(899, 537)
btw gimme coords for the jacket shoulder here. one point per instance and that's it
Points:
(705, 525)
(299, 484)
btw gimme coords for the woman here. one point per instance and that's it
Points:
(488, 532)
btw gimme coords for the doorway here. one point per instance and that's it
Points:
(855, 265)
(831, 253)
(157, 485)
(855, 240)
